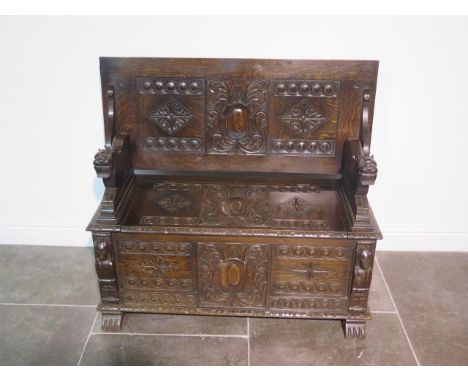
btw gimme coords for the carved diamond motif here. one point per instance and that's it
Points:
(302, 118)
(174, 203)
(171, 116)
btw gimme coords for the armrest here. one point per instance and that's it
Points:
(359, 169)
(113, 165)
(111, 161)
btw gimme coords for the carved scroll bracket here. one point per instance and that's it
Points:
(363, 264)
(106, 268)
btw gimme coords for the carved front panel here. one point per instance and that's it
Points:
(237, 116)
(233, 275)
(172, 115)
(156, 266)
(304, 117)
(310, 277)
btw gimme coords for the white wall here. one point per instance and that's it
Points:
(51, 121)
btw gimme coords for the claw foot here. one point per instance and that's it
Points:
(111, 322)
(355, 329)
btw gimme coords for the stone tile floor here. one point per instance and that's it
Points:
(48, 297)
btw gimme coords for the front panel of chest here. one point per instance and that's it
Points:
(227, 276)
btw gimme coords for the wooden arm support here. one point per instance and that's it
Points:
(113, 165)
(359, 170)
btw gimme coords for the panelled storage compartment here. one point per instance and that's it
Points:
(158, 273)
(224, 276)
(310, 277)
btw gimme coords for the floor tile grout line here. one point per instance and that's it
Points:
(87, 339)
(383, 312)
(398, 314)
(169, 334)
(50, 305)
(248, 341)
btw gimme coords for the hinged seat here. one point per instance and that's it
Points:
(236, 187)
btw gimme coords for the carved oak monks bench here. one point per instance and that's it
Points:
(236, 188)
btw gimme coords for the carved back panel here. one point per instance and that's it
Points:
(236, 115)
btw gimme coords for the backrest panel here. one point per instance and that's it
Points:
(238, 115)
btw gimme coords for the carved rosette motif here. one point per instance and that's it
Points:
(303, 147)
(171, 116)
(306, 88)
(106, 268)
(320, 304)
(192, 87)
(314, 252)
(302, 118)
(237, 112)
(162, 300)
(233, 275)
(235, 206)
(298, 188)
(154, 247)
(173, 144)
(362, 276)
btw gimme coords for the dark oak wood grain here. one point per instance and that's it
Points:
(236, 187)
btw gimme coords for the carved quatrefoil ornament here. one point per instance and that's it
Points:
(302, 118)
(171, 116)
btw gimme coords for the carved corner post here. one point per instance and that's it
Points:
(359, 171)
(112, 164)
(106, 269)
(362, 276)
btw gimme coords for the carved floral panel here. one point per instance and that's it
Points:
(237, 116)
(233, 275)
(235, 206)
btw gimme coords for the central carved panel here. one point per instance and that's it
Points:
(232, 275)
(237, 116)
(235, 206)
